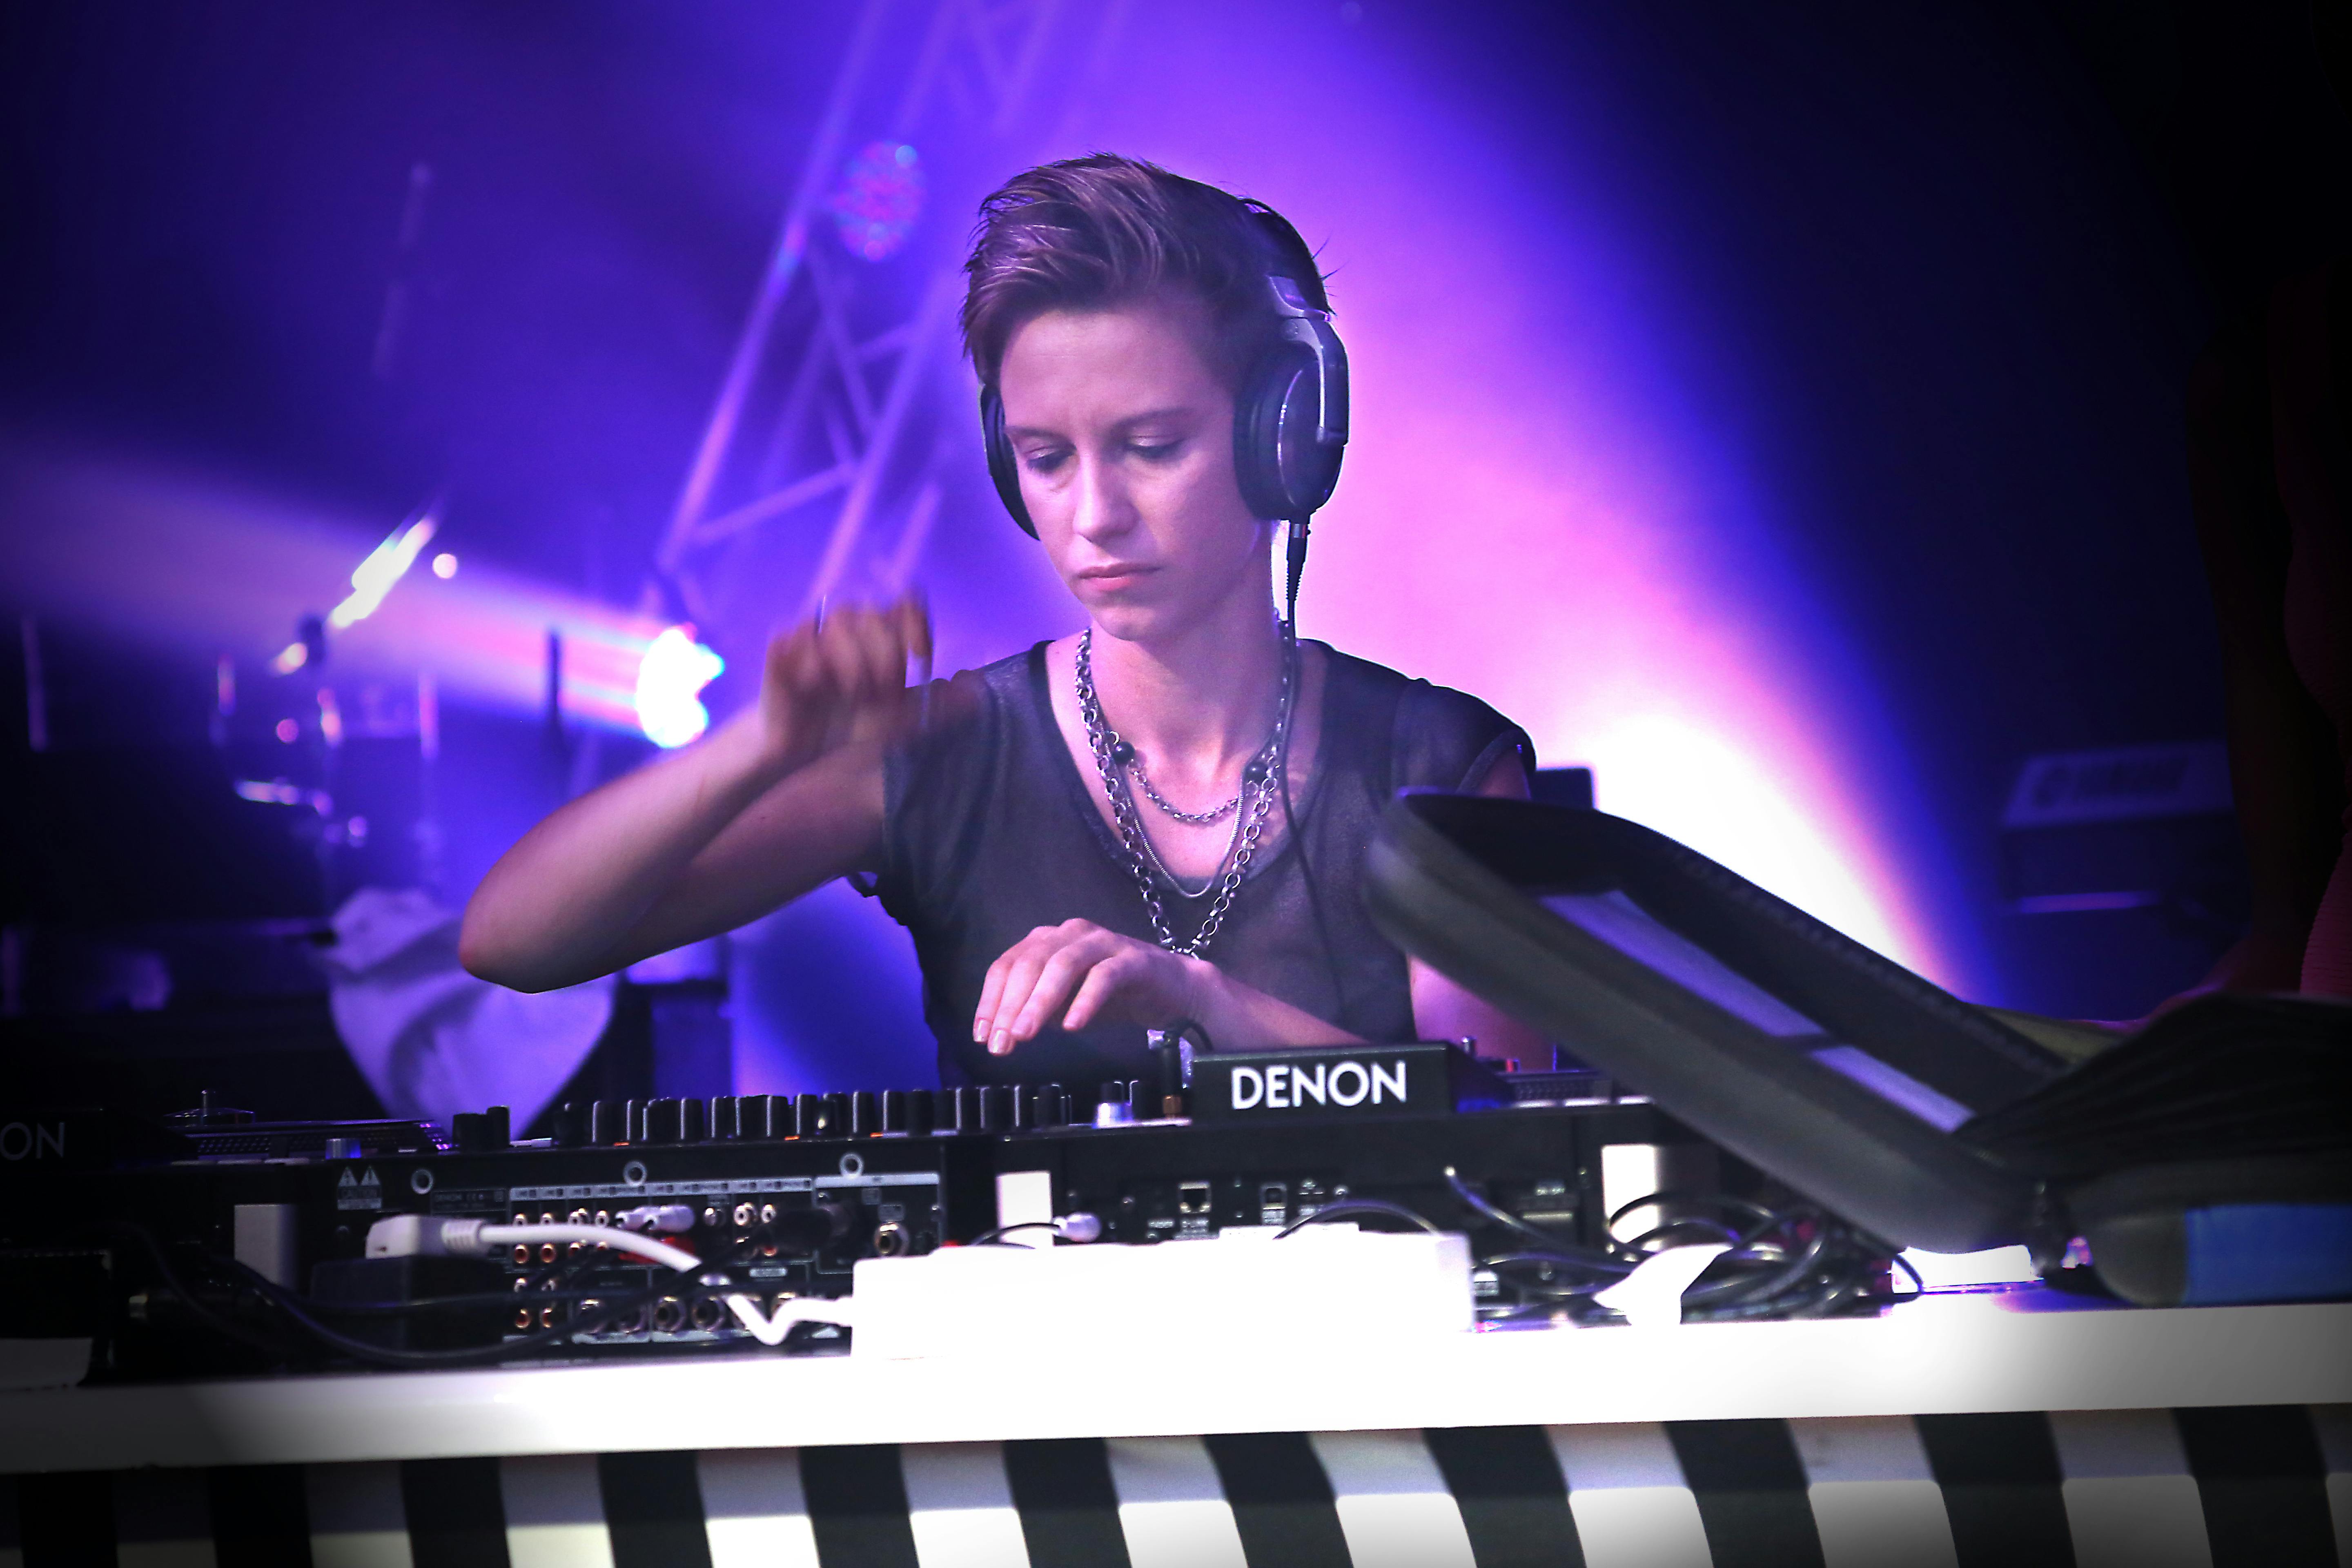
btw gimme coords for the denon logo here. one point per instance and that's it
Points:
(28, 1140)
(1340, 1083)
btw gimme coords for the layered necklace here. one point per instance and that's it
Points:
(1260, 782)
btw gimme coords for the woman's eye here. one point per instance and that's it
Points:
(1155, 451)
(1045, 462)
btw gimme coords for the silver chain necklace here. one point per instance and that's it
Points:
(1197, 818)
(1125, 754)
(1261, 779)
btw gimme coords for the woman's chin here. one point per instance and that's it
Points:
(1131, 622)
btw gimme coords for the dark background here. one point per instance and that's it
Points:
(1953, 262)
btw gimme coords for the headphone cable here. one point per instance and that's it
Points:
(1296, 549)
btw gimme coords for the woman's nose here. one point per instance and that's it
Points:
(1101, 507)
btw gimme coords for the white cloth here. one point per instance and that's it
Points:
(432, 1040)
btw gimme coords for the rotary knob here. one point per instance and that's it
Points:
(608, 1123)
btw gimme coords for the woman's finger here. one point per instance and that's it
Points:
(800, 698)
(991, 992)
(914, 625)
(1021, 962)
(1057, 977)
(838, 640)
(1102, 987)
(882, 700)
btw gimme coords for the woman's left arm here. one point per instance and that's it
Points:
(1442, 1010)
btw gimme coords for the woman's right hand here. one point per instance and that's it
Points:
(840, 679)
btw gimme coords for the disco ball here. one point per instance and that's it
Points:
(879, 197)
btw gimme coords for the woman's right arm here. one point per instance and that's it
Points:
(782, 798)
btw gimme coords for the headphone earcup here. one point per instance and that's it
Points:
(1285, 472)
(1002, 468)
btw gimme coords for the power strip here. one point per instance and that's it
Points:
(1242, 1289)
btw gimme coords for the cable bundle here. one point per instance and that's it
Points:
(1797, 1262)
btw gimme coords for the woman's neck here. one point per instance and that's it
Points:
(1200, 701)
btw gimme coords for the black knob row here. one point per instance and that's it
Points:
(475, 1131)
(990, 1108)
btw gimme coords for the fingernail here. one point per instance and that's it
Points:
(1000, 1043)
(979, 1034)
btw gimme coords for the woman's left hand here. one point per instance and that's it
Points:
(1085, 974)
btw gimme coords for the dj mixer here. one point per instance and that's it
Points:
(224, 1244)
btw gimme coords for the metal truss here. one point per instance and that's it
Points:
(828, 423)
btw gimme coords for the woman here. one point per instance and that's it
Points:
(1163, 816)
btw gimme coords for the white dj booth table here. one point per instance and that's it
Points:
(1958, 1428)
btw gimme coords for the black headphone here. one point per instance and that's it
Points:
(1290, 418)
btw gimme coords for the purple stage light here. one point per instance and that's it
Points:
(171, 558)
(1546, 502)
(879, 198)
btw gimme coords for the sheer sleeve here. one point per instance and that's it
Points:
(935, 796)
(1448, 740)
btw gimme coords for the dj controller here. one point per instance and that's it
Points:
(224, 1244)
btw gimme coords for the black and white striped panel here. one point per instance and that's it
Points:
(2196, 1489)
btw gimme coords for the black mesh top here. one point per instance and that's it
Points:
(990, 831)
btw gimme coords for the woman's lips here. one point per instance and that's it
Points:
(1112, 578)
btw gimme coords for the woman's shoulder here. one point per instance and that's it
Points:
(979, 701)
(1009, 677)
(970, 713)
(1440, 738)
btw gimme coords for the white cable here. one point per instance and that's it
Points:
(411, 1234)
(771, 1331)
(495, 1237)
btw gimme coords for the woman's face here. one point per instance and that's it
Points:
(1123, 439)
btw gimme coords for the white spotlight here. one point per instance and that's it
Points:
(673, 671)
